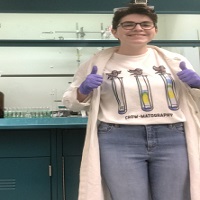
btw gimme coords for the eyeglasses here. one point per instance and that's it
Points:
(131, 25)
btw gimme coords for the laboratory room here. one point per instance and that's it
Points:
(43, 44)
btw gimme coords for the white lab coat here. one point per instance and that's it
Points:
(91, 186)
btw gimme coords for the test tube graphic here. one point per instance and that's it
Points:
(170, 92)
(118, 90)
(144, 92)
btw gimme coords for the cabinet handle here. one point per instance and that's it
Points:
(50, 170)
(63, 177)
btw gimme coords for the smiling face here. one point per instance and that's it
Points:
(136, 38)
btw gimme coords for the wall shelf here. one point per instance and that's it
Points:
(92, 43)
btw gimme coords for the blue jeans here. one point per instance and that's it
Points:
(143, 162)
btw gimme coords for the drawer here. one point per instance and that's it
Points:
(25, 143)
(73, 141)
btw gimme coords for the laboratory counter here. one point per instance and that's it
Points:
(35, 123)
(40, 157)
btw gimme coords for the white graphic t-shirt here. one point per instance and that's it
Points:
(139, 90)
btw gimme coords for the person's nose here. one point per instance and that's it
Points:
(138, 27)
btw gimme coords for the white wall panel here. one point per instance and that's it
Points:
(41, 92)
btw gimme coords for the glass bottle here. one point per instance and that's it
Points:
(1, 105)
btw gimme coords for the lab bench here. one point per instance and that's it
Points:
(40, 158)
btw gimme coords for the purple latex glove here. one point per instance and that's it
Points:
(188, 76)
(92, 81)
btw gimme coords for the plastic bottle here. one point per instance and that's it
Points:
(1, 105)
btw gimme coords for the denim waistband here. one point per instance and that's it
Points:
(126, 125)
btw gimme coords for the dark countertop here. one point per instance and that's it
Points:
(38, 123)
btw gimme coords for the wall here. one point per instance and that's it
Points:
(43, 91)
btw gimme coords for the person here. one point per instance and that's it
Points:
(143, 130)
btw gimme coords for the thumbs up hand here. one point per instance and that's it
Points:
(92, 81)
(188, 76)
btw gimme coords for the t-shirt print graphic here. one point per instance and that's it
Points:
(118, 90)
(144, 89)
(169, 87)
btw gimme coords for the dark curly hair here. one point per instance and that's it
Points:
(141, 9)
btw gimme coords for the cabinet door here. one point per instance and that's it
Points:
(71, 177)
(73, 141)
(25, 179)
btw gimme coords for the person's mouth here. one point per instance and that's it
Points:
(133, 35)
